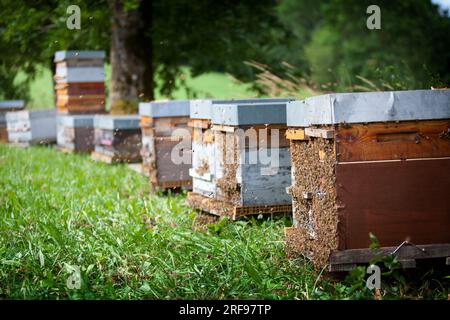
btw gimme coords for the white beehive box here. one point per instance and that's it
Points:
(250, 183)
(31, 127)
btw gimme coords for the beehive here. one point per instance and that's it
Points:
(80, 81)
(8, 106)
(203, 147)
(232, 170)
(117, 138)
(370, 163)
(75, 133)
(166, 135)
(31, 127)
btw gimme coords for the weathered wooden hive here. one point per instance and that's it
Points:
(31, 127)
(8, 106)
(241, 161)
(75, 133)
(370, 163)
(117, 138)
(203, 147)
(80, 81)
(165, 134)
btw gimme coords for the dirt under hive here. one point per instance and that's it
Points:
(234, 186)
(117, 139)
(383, 172)
(165, 134)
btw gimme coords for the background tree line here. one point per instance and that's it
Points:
(326, 42)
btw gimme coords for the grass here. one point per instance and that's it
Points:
(212, 84)
(59, 212)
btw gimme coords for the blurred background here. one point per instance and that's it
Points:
(228, 49)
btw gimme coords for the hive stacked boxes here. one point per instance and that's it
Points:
(370, 163)
(8, 106)
(241, 164)
(166, 143)
(75, 133)
(117, 139)
(31, 127)
(80, 81)
(203, 147)
(80, 93)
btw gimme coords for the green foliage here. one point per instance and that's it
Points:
(204, 35)
(413, 44)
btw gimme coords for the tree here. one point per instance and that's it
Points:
(146, 39)
(411, 50)
(131, 55)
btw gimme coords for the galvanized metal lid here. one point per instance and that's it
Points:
(162, 109)
(82, 74)
(368, 107)
(12, 104)
(237, 114)
(113, 122)
(65, 55)
(76, 121)
(202, 109)
(26, 115)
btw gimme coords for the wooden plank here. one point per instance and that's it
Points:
(344, 267)
(262, 133)
(223, 208)
(319, 133)
(240, 211)
(98, 108)
(167, 171)
(218, 127)
(3, 135)
(395, 200)
(406, 252)
(408, 263)
(199, 123)
(146, 122)
(393, 141)
(296, 134)
(172, 184)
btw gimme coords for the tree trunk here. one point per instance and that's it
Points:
(130, 57)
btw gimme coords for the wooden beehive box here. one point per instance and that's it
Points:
(165, 130)
(203, 147)
(230, 177)
(80, 81)
(75, 133)
(117, 138)
(8, 106)
(31, 127)
(370, 163)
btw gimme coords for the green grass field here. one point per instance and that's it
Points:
(60, 211)
(208, 85)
